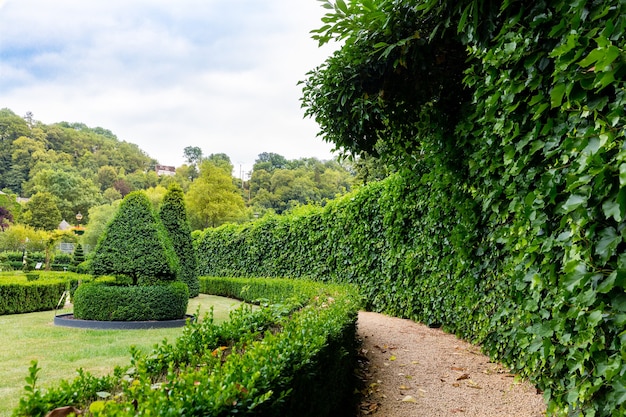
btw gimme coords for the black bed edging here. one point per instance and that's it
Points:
(68, 320)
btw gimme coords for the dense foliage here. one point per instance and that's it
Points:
(135, 244)
(105, 302)
(28, 146)
(19, 295)
(505, 223)
(295, 358)
(173, 215)
(277, 184)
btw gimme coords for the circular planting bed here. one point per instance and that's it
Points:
(68, 320)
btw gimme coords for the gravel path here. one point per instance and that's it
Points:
(412, 370)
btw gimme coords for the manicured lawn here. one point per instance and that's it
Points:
(61, 350)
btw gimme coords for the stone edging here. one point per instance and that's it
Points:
(68, 320)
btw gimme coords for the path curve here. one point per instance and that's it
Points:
(413, 370)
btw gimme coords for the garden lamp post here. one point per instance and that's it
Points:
(78, 230)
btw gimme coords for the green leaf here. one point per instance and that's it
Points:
(341, 5)
(608, 284)
(556, 95)
(592, 58)
(619, 390)
(609, 239)
(573, 202)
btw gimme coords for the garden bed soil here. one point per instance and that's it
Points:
(409, 369)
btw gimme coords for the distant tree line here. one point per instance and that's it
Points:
(50, 173)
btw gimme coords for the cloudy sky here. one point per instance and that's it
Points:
(217, 74)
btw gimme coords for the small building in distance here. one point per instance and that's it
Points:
(165, 170)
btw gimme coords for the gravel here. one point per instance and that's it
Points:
(412, 370)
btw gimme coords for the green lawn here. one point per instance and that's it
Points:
(61, 350)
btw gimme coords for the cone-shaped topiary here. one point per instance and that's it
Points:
(78, 256)
(174, 218)
(135, 244)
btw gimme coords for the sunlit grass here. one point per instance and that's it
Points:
(60, 351)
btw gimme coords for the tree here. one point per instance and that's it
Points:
(99, 217)
(136, 245)
(6, 218)
(192, 155)
(391, 83)
(270, 161)
(221, 160)
(41, 212)
(107, 175)
(73, 192)
(173, 215)
(212, 198)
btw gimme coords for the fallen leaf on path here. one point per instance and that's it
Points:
(457, 410)
(462, 377)
(472, 384)
(409, 399)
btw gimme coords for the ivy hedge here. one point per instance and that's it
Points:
(416, 247)
(294, 358)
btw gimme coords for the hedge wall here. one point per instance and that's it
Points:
(416, 247)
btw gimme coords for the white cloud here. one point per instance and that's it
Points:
(218, 74)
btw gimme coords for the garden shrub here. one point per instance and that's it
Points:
(173, 215)
(280, 360)
(135, 244)
(17, 295)
(16, 300)
(103, 301)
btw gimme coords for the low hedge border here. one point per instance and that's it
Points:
(289, 358)
(22, 296)
(106, 302)
(38, 294)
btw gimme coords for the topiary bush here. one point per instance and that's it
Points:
(134, 247)
(135, 244)
(106, 302)
(78, 257)
(173, 215)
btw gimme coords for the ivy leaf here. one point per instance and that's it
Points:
(573, 202)
(619, 390)
(609, 239)
(556, 95)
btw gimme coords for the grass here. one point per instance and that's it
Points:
(60, 351)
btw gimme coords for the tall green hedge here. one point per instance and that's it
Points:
(417, 247)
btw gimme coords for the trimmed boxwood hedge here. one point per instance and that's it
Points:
(20, 296)
(102, 301)
(288, 359)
